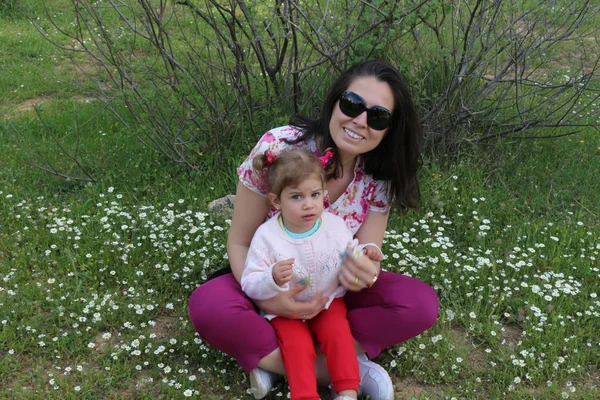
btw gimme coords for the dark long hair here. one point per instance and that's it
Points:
(397, 158)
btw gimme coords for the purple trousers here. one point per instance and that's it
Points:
(395, 309)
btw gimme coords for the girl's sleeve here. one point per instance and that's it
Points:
(257, 279)
(379, 202)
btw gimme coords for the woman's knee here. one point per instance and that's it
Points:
(214, 302)
(202, 307)
(419, 297)
(411, 298)
(426, 306)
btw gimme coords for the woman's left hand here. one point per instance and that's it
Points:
(358, 273)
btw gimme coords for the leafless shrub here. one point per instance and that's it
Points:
(194, 74)
(505, 68)
(197, 75)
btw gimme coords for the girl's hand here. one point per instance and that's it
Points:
(286, 306)
(282, 271)
(373, 253)
(358, 273)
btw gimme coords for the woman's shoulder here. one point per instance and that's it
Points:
(282, 138)
(283, 133)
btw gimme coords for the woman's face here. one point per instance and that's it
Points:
(352, 135)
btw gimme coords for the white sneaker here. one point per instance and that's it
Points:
(375, 382)
(262, 382)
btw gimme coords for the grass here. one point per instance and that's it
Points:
(95, 277)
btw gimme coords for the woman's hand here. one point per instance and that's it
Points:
(358, 273)
(284, 304)
(361, 272)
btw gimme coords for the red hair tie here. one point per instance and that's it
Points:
(270, 157)
(326, 158)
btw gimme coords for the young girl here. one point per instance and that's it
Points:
(303, 245)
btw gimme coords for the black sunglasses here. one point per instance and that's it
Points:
(353, 105)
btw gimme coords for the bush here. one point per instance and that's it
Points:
(199, 78)
(9, 8)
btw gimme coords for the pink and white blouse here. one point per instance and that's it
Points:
(364, 193)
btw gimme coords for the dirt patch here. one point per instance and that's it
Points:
(592, 381)
(408, 388)
(83, 99)
(80, 68)
(29, 104)
(510, 336)
(476, 357)
(166, 326)
(102, 341)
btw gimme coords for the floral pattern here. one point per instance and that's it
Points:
(364, 193)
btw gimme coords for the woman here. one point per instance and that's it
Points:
(369, 120)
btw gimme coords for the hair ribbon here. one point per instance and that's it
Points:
(326, 158)
(270, 157)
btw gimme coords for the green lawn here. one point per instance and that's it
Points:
(96, 275)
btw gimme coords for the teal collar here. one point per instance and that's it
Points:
(303, 234)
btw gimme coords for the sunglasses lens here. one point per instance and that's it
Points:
(378, 118)
(353, 105)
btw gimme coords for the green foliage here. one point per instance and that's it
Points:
(482, 70)
(9, 8)
(110, 266)
(96, 276)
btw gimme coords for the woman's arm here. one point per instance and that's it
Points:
(358, 273)
(249, 213)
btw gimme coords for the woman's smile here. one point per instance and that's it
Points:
(353, 134)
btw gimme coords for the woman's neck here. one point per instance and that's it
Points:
(348, 163)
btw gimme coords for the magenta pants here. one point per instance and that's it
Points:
(395, 309)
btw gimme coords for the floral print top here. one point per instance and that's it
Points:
(364, 193)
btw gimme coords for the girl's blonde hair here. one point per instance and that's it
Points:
(290, 168)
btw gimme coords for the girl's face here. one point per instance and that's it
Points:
(300, 206)
(352, 135)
